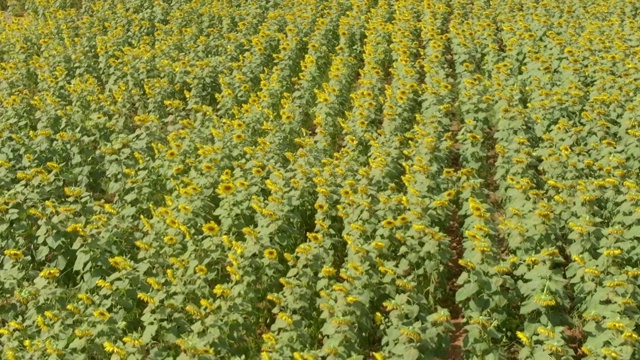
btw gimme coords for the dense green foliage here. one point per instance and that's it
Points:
(319, 179)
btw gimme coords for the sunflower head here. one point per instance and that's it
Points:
(271, 254)
(211, 228)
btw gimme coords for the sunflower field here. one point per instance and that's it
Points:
(320, 179)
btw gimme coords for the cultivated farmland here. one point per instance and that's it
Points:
(435, 179)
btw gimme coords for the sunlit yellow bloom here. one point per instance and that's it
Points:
(523, 338)
(171, 154)
(146, 298)
(50, 273)
(611, 353)
(388, 223)
(592, 271)
(41, 323)
(82, 333)
(102, 314)
(170, 240)
(269, 338)
(15, 325)
(315, 237)
(271, 254)
(77, 228)
(545, 300)
(285, 317)
(113, 349)
(221, 290)
(225, 188)
(321, 206)
(154, 283)
(104, 284)
(193, 311)
(579, 259)
(411, 334)
(630, 336)
(85, 298)
(13, 254)
(612, 252)
(120, 263)
(211, 228)
(201, 270)
(142, 245)
(467, 264)
(448, 172)
(135, 342)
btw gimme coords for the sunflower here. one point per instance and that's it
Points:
(85, 298)
(102, 314)
(171, 154)
(146, 298)
(208, 167)
(73, 308)
(271, 254)
(467, 264)
(112, 349)
(402, 219)
(448, 172)
(135, 342)
(142, 245)
(242, 184)
(201, 270)
(53, 166)
(205, 351)
(14, 255)
(545, 300)
(440, 203)
(154, 283)
(257, 171)
(449, 194)
(346, 192)
(388, 223)
(211, 228)
(104, 284)
(269, 338)
(120, 263)
(50, 273)
(523, 338)
(172, 222)
(170, 240)
(321, 207)
(315, 237)
(328, 271)
(630, 336)
(225, 188)
(82, 333)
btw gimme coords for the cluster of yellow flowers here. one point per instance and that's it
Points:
(319, 179)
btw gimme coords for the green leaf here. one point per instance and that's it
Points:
(528, 306)
(411, 354)
(399, 349)
(81, 259)
(327, 329)
(149, 333)
(466, 291)
(61, 262)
